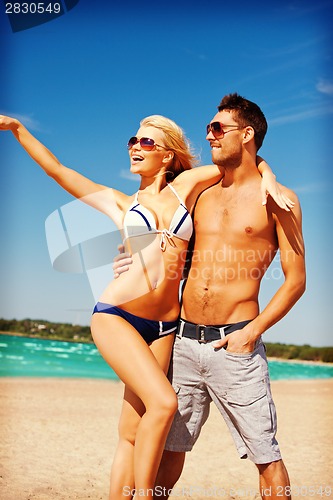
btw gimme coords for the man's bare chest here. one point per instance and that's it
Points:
(232, 215)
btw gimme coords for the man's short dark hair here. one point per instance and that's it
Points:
(246, 113)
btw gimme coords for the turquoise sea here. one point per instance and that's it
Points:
(30, 357)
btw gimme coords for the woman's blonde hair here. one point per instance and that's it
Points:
(174, 140)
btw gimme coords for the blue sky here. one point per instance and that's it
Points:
(82, 83)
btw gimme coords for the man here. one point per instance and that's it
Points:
(236, 238)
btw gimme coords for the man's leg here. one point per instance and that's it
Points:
(171, 467)
(274, 481)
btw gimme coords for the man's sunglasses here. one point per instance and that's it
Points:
(217, 129)
(146, 143)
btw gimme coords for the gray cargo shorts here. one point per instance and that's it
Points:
(239, 386)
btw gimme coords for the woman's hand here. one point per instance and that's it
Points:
(8, 123)
(269, 186)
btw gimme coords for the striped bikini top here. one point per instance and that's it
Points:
(139, 221)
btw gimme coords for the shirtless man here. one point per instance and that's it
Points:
(236, 239)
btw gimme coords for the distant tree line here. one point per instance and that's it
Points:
(303, 352)
(46, 329)
(76, 333)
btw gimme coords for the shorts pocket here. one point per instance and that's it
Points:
(242, 370)
(247, 394)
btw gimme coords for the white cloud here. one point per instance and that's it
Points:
(297, 116)
(126, 174)
(314, 187)
(27, 121)
(325, 87)
(200, 56)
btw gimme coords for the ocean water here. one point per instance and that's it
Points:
(29, 357)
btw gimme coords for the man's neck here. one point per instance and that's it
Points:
(240, 175)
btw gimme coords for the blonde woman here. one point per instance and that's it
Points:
(134, 322)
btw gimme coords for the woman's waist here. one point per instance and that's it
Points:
(160, 303)
(154, 310)
(141, 279)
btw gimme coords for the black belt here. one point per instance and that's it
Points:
(207, 333)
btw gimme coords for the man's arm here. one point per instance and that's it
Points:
(292, 255)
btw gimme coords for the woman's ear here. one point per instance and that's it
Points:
(168, 156)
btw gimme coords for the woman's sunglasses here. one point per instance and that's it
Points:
(216, 128)
(146, 143)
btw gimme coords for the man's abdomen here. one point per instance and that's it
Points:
(219, 299)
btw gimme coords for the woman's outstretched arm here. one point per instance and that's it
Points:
(105, 199)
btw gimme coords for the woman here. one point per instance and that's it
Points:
(156, 226)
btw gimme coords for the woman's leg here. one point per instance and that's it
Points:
(161, 350)
(135, 364)
(122, 472)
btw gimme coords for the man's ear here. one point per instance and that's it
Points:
(248, 134)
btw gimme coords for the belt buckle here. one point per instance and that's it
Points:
(200, 333)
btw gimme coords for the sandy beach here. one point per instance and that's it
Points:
(58, 437)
